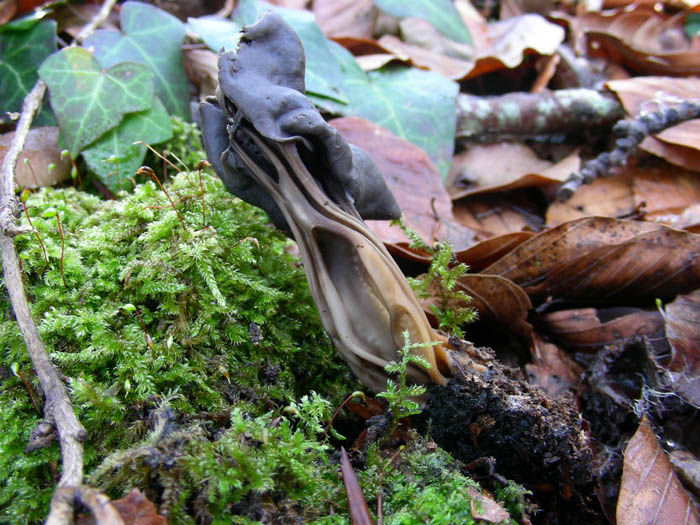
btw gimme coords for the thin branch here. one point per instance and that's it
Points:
(65, 499)
(58, 410)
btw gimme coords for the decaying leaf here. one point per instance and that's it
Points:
(589, 329)
(41, 151)
(682, 320)
(641, 38)
(134, 509)
(601, 259)
(357, 506)
(485, 508)
(500, 213)
(488, 251)
(412, 179)
(650, 492)
(553, 369)
(505, 166)
(355, 18)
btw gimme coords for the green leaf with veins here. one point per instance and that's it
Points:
(88, 100)
(21, 53)
(115, 157)
(416, 105)
(153, 38)
(217, 33)
(440, 13)
(323, 75)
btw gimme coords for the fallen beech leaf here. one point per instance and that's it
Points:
(604, 259)
(8, 8)
(650, 492)
(484, 508)
(641, 38)
(134, 509)
(486, 252)
(413, 180)
(657, 191)
(427, 48)
(357, 506)
(553, 370)
(41, 150)
(499, 303)
(449, 67)
(687, 466)
(588, 329)
(604, 197)
(513, 37)
(355, 18)
(500, 213)
(682, 318)
(505, 166)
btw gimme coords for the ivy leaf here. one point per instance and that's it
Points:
(441, 13)
(87, 100)
(416, 105)
(216, 32)
(323, 75)
(153, 38)
(114, 157)
(21, 53)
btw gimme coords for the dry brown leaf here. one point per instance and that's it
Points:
(494, 214)
(500, 304)
(643, 39)
(346, 18)
(513, 37)
(604, 197)
(682, 319)
(41, 150)
(687, 466)
(588, 329)
(505, 166)
(553, 370)
(657, 191)
(8, 8)
(413, 180)
(650, 492)
(488, 251)
(604, 259)
(134, 509)
(357, 506)
(425, 58)
(484, 508)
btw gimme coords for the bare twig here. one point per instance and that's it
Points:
(58, 410)
(65, 499)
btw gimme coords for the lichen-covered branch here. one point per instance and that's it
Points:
(58, 411)
(529, 114)
(630, 133)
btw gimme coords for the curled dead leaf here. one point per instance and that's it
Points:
(601, 259)
(682, 321)
(650, 492)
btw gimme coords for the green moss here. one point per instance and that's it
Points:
(190, 354)
(199, 291)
